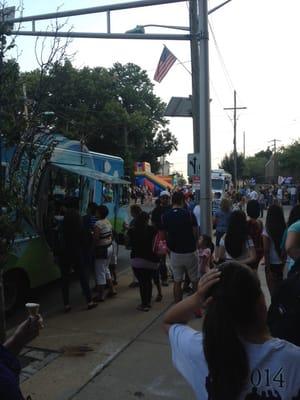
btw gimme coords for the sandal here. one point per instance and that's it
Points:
(91, 305)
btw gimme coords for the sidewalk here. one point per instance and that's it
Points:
(112, 352)
(74, 349)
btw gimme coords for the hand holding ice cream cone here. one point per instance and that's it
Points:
(33, 310)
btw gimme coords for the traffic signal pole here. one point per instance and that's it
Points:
(204, 117)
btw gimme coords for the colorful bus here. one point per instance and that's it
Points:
(48, 171)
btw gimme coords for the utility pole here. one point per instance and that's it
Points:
(235, 108)
(195, 59)
(204, 114)
(274, 141)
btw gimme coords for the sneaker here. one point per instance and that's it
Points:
(133, 285)
(143, 308)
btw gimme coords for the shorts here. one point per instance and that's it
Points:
(102, 268)
(182, 263)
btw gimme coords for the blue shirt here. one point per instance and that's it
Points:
(179, 223)
(9, 376)
(222, 220)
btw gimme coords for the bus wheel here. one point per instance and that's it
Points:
(15, 290)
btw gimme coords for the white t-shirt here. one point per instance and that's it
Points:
(293, 191)
(248, 244)
(274, 257)
(197, 214)
(274, 365)
(279, 193)
(253, 195)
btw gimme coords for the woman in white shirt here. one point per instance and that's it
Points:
(235, 358)
(237, 244)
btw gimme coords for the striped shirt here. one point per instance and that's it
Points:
(103, 232)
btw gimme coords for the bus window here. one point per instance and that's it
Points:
(108, 194)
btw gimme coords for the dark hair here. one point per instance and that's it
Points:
(225, 205)
(253, 209)
(238, 197)
(92, 207)
(178, 198)
(294, 215)
(141, 221)
(135, 209)
(232, 310)
(236, 235)
(208, 242)
(102, 211)
(275, 225)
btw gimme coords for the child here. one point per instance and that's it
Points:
(205, 250)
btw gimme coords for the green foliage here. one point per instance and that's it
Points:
(114, 110)
(289, 159)
(12, 121)
(228, 164)
(255, 167)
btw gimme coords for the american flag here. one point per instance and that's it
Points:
(167, 59)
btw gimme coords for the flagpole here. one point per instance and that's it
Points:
(182, 64)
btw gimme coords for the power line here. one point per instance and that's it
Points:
(221, 59)
(220, 102)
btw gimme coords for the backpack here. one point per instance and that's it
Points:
(284, 312)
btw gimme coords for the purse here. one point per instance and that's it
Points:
(160, 247)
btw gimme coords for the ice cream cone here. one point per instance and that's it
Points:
(33, 309)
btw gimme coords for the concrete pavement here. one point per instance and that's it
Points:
(114, 340)
(112, 352)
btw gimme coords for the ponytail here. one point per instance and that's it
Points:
(232, 308)
(225, 355)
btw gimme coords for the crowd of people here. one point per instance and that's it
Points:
(235, 356)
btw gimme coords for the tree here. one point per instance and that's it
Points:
(255, 168)
(227, 164)
(113, 110)
(289, 159)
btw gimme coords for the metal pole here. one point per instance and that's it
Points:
(194, 31)
(234, 141)
(95, 35)
(204, 113)
(244, 143)
(108, 22)
(93, 10)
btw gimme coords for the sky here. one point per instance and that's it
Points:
(254, 49)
